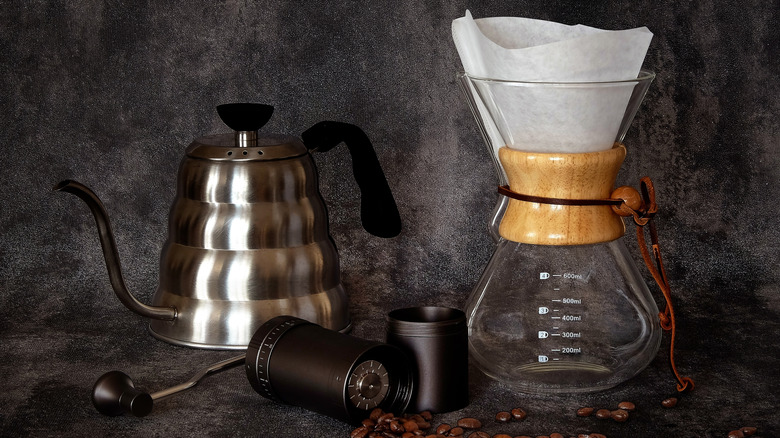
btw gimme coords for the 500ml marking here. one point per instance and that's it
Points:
(571, 301)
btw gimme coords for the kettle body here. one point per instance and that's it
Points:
(247, 241)
(248, 236)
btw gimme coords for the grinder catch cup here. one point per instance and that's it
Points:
(296, 362)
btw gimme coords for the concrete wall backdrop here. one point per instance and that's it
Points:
(111, 92)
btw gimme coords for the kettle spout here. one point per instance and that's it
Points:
(112, 255)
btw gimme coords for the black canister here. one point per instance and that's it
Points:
(303, 364)
(437, 340)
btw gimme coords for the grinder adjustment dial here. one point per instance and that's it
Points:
(368, 384)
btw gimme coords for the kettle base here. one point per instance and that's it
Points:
(230, 324)
(183, 343)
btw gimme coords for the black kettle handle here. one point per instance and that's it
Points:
(378, 210)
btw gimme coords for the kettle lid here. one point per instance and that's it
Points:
(246, 144)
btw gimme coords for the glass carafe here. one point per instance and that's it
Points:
(561, 306)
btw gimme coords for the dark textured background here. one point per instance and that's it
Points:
(111, 92)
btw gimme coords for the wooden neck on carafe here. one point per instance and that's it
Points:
(578, 176)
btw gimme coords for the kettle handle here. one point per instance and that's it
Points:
(378, 210)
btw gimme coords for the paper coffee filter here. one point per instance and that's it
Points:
(546, 90)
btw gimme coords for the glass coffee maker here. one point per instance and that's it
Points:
(561, 306)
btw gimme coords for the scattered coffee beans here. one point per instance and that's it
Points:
(518, 414)
(742, 432)
(619, 415)
(584, 412)
(456, 431)
(626, 406)
(387, 424)
(669, 402)
(503, 416)
(469, 423)
(556, 435)
(443, 428)
(479, 434)
(603, 414)
(501, 435)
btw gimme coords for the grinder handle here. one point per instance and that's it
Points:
(114, 392)
(378, 210)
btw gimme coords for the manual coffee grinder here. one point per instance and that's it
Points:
(561, 306)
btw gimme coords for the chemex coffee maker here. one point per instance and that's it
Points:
(248, 233)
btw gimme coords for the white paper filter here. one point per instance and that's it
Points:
(550, 117)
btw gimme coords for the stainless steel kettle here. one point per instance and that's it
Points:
(248, 233)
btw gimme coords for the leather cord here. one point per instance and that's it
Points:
(504, 190)
(643, 217)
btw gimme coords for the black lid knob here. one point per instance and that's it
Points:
(245, 116)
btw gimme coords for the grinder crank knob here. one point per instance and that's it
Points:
(115, 394)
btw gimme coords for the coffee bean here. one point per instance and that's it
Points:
(603, 414)
(376, 413)
(556, 435)
(748, 431)
(456, 431)
(407, 435)
(523, 436)
(626, 406)
(360, 432)
(669, 402)
(518, 414)
(368, 422)
(396, 427)
(386, 418)
(501, 435)
(503, 416)
(619, 415)
(426, 415)
(479, 434)
(584, 412)
(443, 428)
(410, 426)
(597, 435)
(469, 423)
(736, 434)
(416, 418)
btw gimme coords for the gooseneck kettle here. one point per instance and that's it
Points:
(248, 235)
